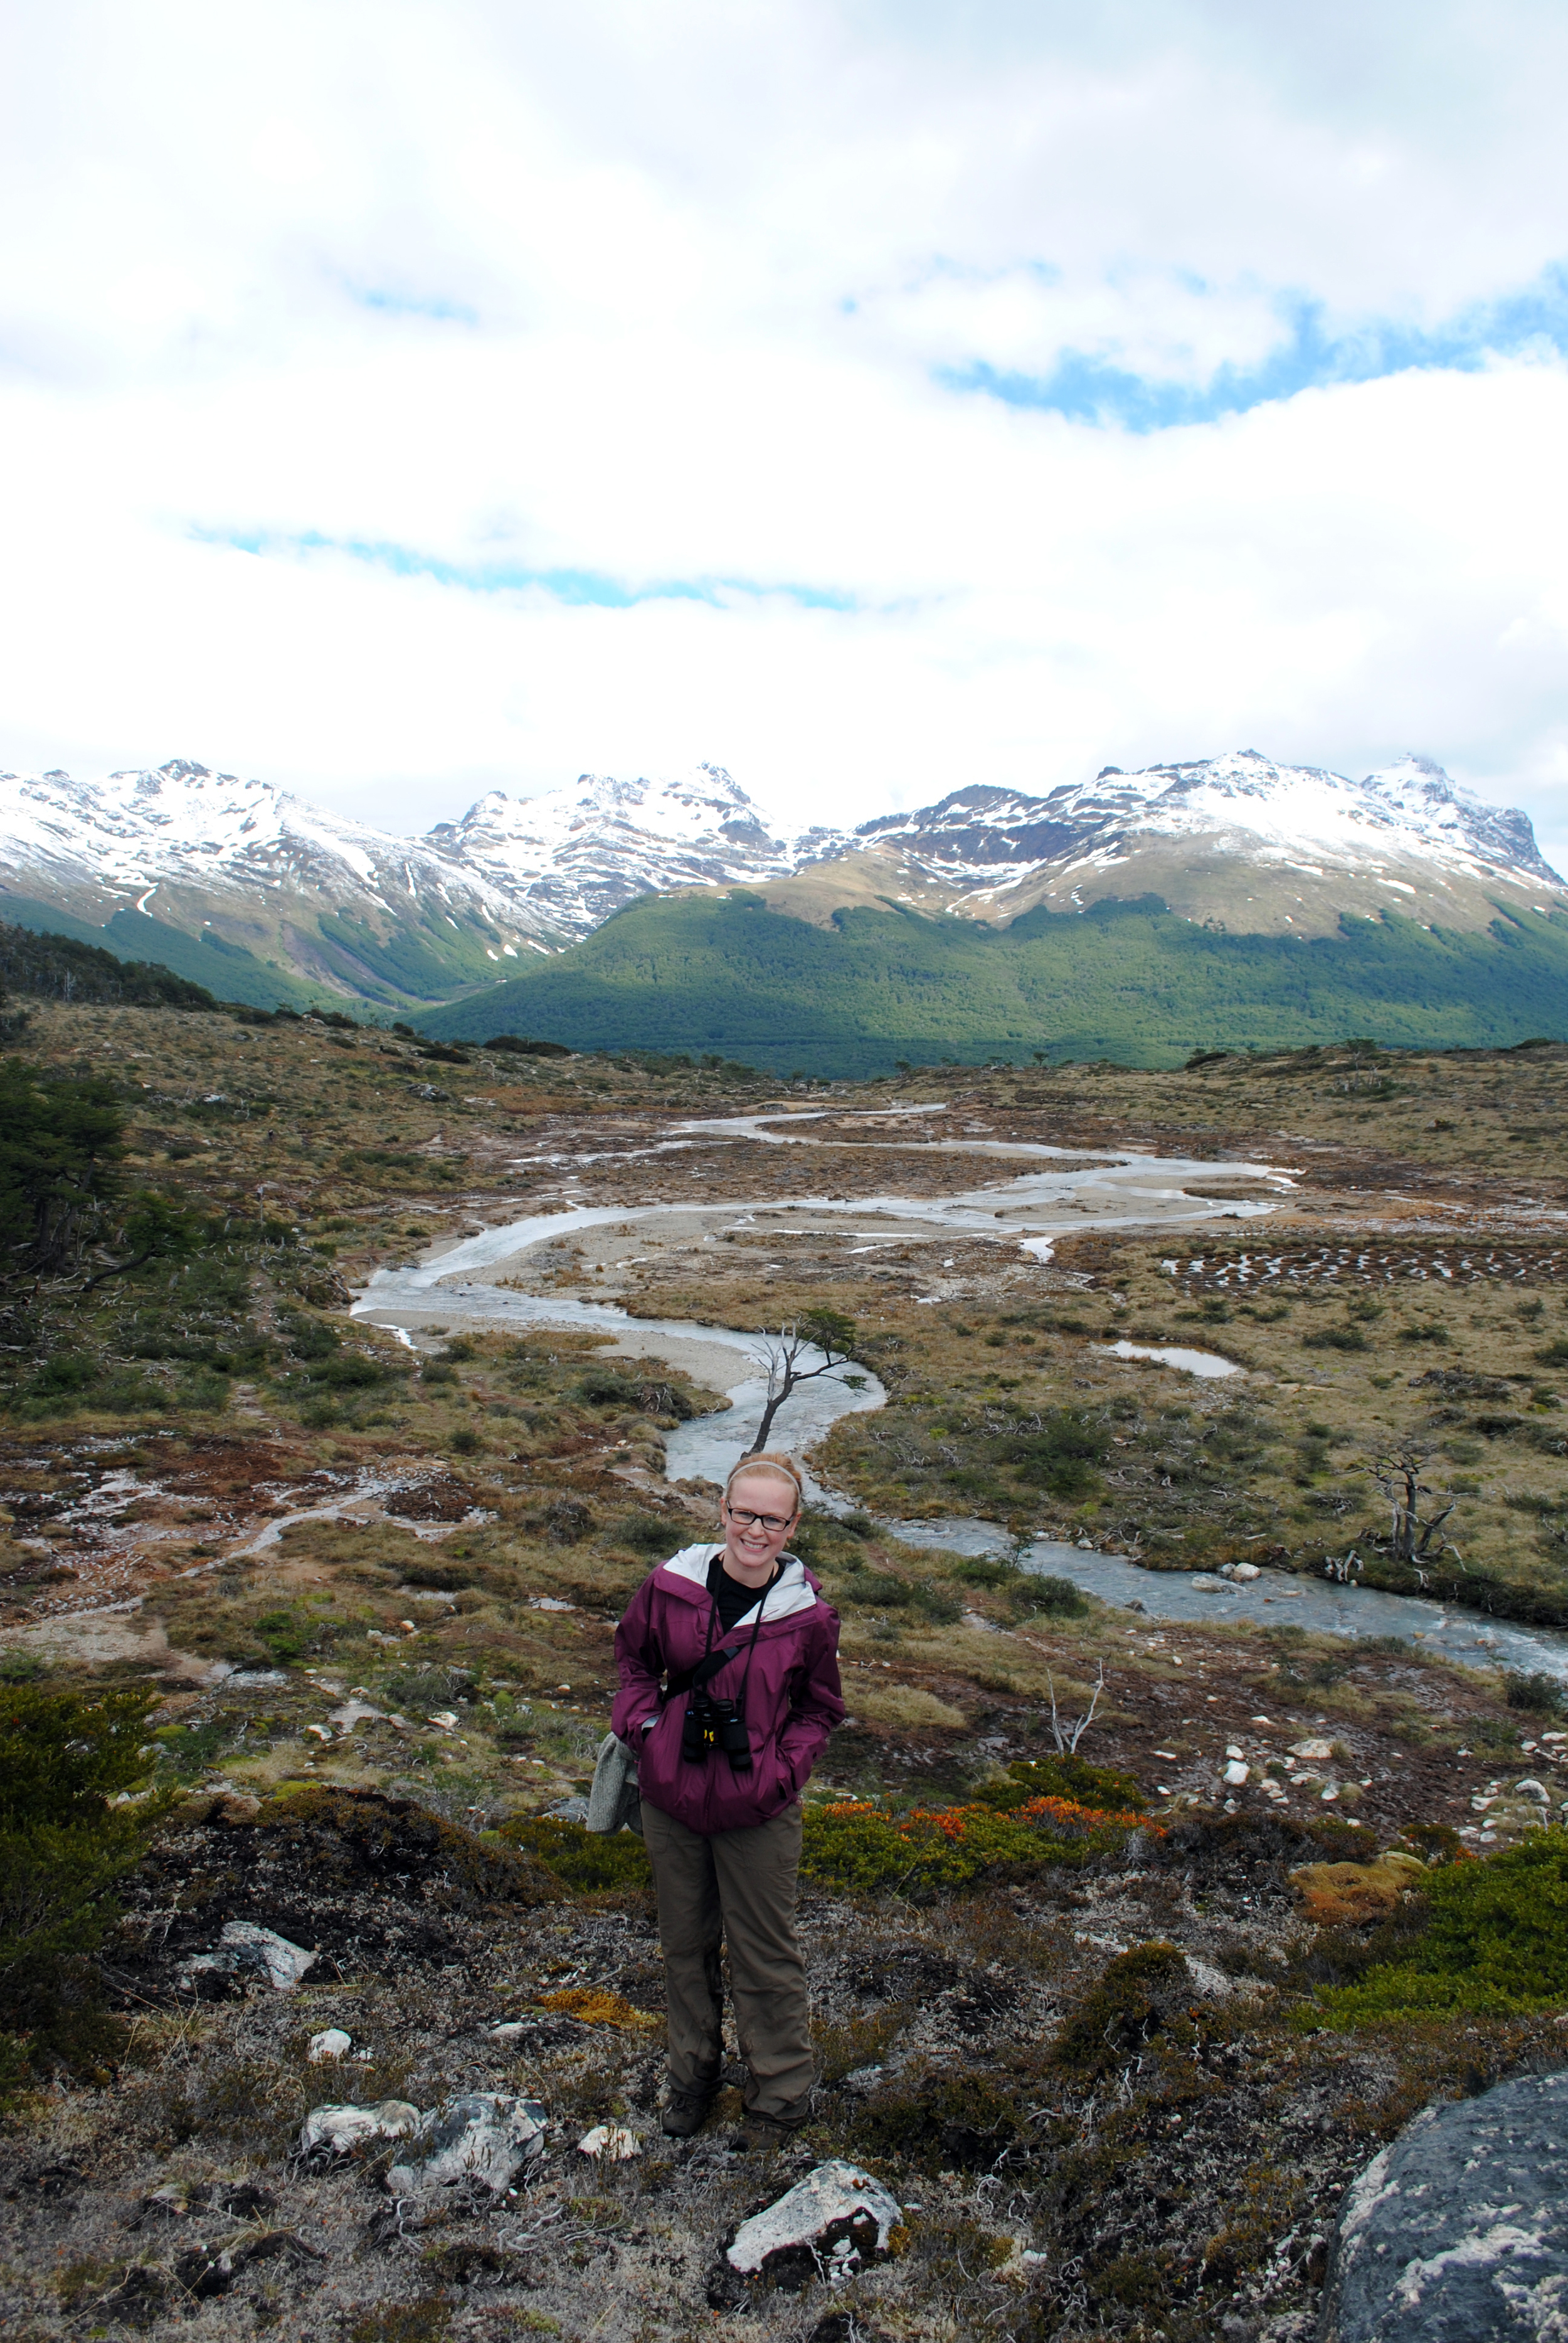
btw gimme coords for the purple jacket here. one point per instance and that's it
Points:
(792, 1696)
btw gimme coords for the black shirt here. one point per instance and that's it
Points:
(734, 1600)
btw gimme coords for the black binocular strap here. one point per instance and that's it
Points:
(707, 1668)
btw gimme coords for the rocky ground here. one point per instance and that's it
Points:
(372, 1589)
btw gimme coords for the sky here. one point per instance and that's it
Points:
(400, 401)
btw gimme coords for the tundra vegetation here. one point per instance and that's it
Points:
(308, 1627)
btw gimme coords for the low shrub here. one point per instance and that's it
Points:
(943, 1849)
(1496, 1940)
(1102, 1786)
(966, 2120)
(1537, 1694)
(63, 1845)
(1058, 1598)
(581, 1858)
(1143, 1993)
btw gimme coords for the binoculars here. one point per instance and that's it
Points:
(712, 1723)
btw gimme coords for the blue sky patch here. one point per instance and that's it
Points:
(414, 305)
(1087, 388)
(582, 588)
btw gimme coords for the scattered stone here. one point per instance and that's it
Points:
(1460, 2229)
(569, 1810)
(245, 1948)
(1204, 1582)
(1531, 1788)
(478, 2136)
(1245, 1572)
(1236, 1773)
(511, 2031)
(609, 2143)
(830, 2223)
(338, 2130)
(445, 1717)
(331, 2044)
(1315, 1751)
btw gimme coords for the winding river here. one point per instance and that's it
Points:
(459, 1284)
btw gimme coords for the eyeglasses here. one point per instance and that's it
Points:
(749, 1520)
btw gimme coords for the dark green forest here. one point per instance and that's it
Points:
(1127, 981)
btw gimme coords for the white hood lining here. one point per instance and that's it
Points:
(791, 1594)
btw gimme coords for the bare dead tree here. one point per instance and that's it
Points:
(1412, 1539)
(783, 1354)
(1067, 1735)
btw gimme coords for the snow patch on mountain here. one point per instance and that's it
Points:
(1243, 804)
(576, 855)
(97, 845)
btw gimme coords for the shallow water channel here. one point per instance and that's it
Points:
(456, 1285)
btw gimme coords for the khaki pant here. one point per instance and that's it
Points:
(739, 1886)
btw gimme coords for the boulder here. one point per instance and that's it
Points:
(610, 2144)
(333, 2043)
(478, 2136)
(245, 1948)
(831, 2222)
(338, 2130)
(1458, 2233)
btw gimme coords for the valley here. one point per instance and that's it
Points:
(348, 1484)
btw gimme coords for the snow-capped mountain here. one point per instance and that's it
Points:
(185, 857)
(1236, 840)
(243, 863)
(576, 855)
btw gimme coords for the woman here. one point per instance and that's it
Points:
(724, 1751)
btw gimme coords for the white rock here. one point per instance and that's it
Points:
(244, 1945)
(332, 2044)
(445, 1717)
(319, 1732)
(509, 2031)
(1244, 1572)
(1204, 1581)
(340, 2128)
(836, 2202)
(612, 2143)
(1236, 1773)
(1531, 1788)
(1233, 1750)
(1213, 1983)
(1313, 1749)
(478, 2136)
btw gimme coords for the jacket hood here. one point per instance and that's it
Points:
(793, 1591)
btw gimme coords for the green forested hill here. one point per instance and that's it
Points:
(1125, 980)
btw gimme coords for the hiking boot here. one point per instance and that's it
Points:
(761, 2132)
(683, 2113)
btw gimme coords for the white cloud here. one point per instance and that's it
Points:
(666, 297)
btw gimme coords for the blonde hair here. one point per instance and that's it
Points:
(774, 1465)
